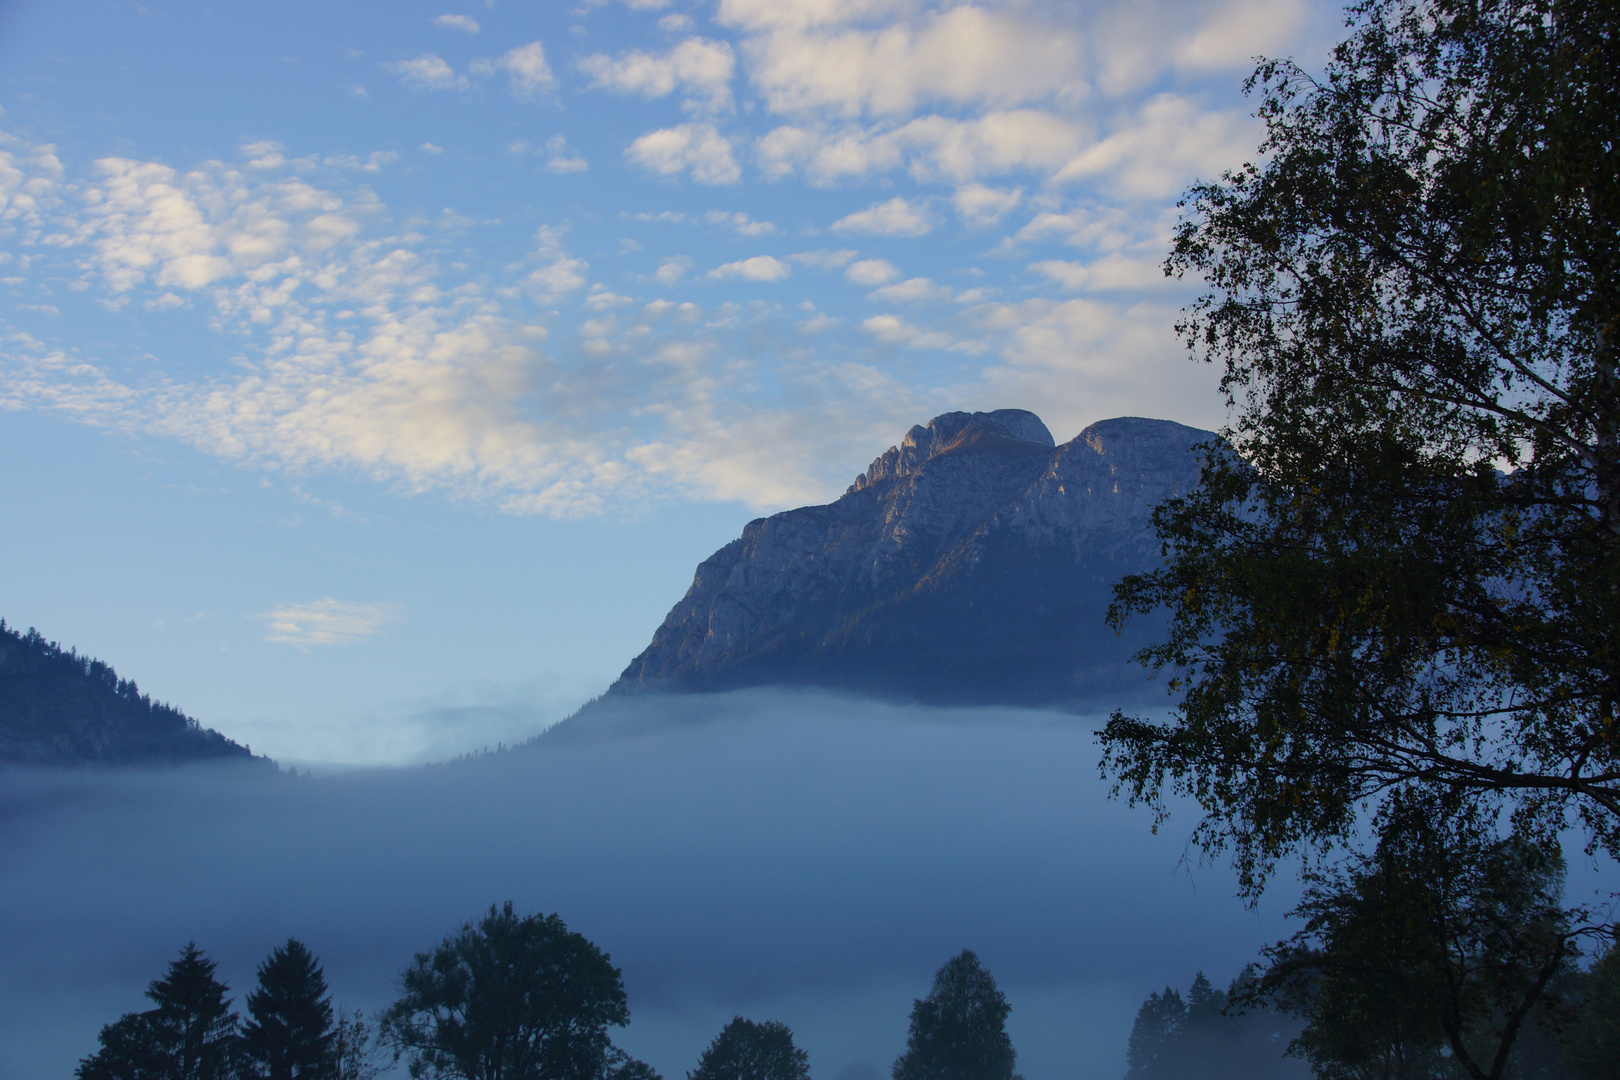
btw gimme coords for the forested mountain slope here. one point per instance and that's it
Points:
(60, 708)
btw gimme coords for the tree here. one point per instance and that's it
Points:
(1592, 1043)
(289, 1034)
(1209, 1034)
(959, 1031)
(190, 1035)
(354, 1047)
(508, 998)
(1429, 957)
(1156, 1036)
(1404, 574)
(745, 1050)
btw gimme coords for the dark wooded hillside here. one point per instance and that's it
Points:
(60, 708)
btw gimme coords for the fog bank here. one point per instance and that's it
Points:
(796, 857)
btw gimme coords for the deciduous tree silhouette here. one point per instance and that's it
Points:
(745, 1050)
(959, 1031)
(508, 998)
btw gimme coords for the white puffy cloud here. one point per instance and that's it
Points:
(758, 268)
(465, 23)
(559, 159)
(558, 272)
(980, 205)
(1109, 272)
(328, 622)
(427, 72)
(872, 272)
(893, 330)
(1157, 149)
(802, 58)
(897, 217)
(700, 67)
(697, 149)
(527, 70)
(929, 147)
(30, 178)
(672, 269)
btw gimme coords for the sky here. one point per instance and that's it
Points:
(373, 375)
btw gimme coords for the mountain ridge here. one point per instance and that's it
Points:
(969, 564)
(60, 708)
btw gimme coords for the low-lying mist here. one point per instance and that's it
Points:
(793, 857)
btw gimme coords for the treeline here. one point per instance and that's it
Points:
(60, 708)
(507, 997)
(1273, 1027)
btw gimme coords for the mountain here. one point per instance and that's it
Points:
(60, 708)
(971, 564)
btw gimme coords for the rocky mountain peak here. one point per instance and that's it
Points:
(972, 563)
(954, 431)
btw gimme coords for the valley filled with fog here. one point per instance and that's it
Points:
(795, 857)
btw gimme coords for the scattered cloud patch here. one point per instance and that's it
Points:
(427, 72)
(802, 60)
(464, 23)
(698, 150)
(893, 330)
(559, 159)
(758, 268)
(701, 68)
(559, 272)
(740, 223)
(328, 622)
(872, 272)
(980, 205)
(897, 217)
(914, 290)
(672, 270)
(822, 259)
(527, 70)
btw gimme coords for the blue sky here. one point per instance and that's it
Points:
(373, 375)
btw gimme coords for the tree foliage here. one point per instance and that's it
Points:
(959, 1031)
(1407, 576)
(289, 1033)
(1430, 956)
(508, 998)
(1209, 1035)
(745, 1050)
(189, 1035)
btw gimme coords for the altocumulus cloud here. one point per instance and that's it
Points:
(758, 268)
(328, 622)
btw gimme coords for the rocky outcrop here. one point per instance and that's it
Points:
(973, 563)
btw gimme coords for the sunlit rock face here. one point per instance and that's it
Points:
(973, 563)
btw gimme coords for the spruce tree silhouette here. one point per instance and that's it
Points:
(191, 1035)
(745, 1050)
(289, 1033)
(958, 1032)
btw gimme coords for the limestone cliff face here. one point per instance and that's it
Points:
(972, 563)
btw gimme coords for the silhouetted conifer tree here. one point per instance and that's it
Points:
(958, 1032)
(745, 1050)
(191, 1035)
(289, 1033)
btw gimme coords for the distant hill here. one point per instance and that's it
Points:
(60, 708)
(972, 564)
